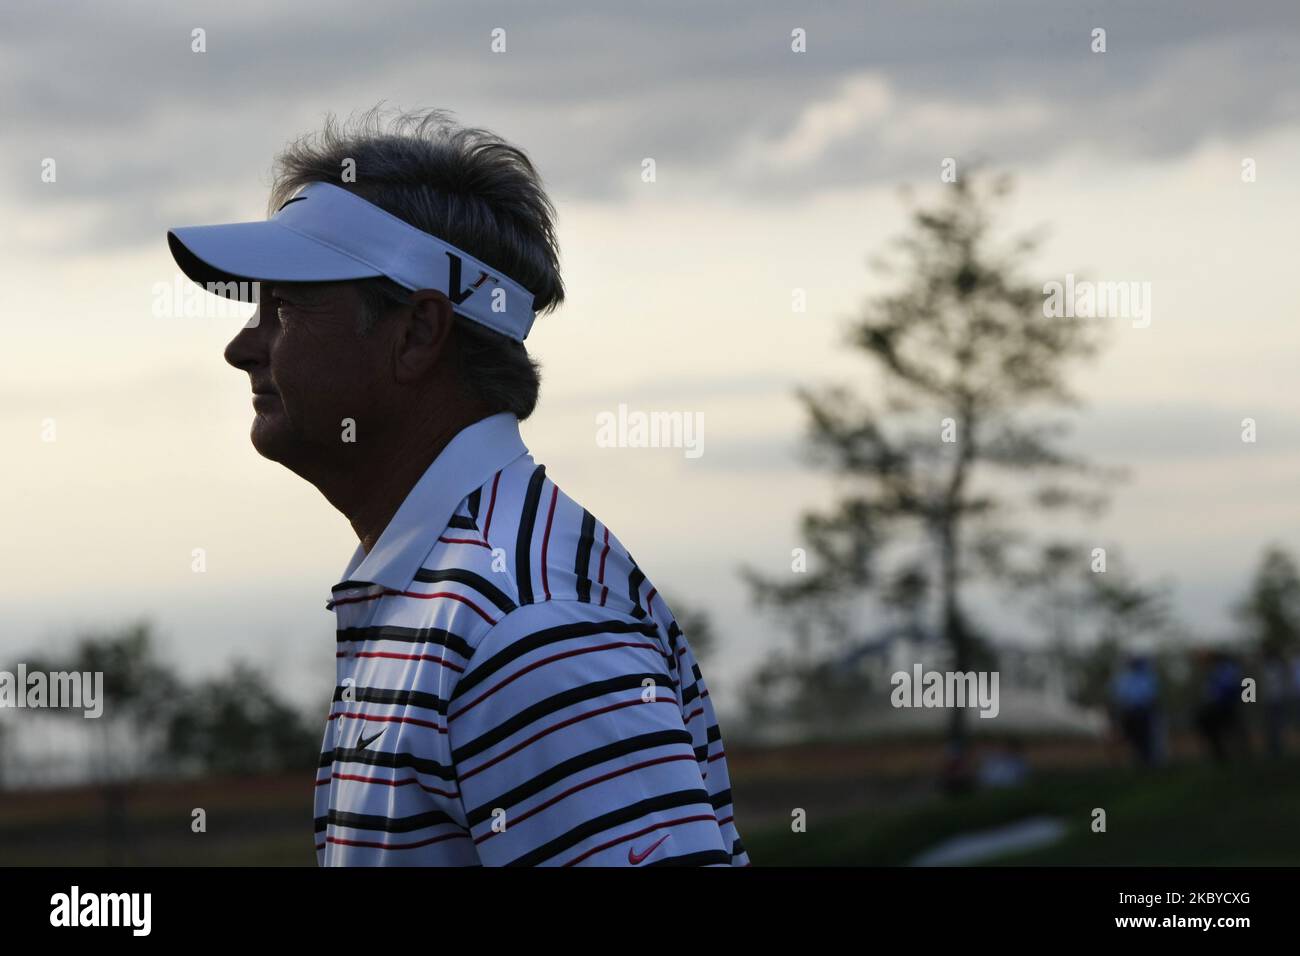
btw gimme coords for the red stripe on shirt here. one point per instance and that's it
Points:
(403, 657)
(389, 783)
(547, 660)
(515, 821)
(389, 592)
(560, 726)
(395, 846)
(546, 540)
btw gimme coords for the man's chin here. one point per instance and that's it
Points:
(275, 439)
(269, 438)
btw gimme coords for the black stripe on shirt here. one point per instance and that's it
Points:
(584, 761)
(382, 695)
(634, 582)
(701, 858)
(371, 821)
(712, 735)
(407, 635)
(690, 692)
(462, 523)
(352, 585)
(582, 562)
(550, 705)
(674, 632)
(471, 580)
(667, 801)
(524, 541)
(393, 761)
(472, 502)
(551, 635)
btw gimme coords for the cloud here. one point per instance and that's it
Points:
(149, 134)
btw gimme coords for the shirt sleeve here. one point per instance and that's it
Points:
(570, 745)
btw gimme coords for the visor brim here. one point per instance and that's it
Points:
(232, 255)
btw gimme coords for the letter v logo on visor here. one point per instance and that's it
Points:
(327, 234)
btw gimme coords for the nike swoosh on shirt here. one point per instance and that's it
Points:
(634, 857)
(363, 743)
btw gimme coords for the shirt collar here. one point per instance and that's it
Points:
(469, 460)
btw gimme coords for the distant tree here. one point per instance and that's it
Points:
(1127, 609)
(1271, 607)
(236, 724)
(1093, 619)
(1057, 588)
(803, 692)
(139, 694)
(153, 722)
(967, 362)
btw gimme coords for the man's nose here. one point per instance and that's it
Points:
(248, 349)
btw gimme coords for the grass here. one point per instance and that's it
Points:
(1191, 814)
(866, 806)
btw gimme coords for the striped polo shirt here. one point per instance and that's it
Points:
(512, 690)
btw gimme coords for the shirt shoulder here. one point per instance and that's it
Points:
(578, 720)
(520, 541)
(566, 626)
(574, 741)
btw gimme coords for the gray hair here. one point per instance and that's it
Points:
(464, 185)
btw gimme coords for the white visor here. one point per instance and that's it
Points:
(327, 234)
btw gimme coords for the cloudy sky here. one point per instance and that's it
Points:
(776, 170)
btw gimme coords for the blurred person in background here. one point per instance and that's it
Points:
(1277, 696)
(1135, 693)
(1004, 765)
(1218, 716)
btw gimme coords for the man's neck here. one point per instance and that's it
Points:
(370, 490)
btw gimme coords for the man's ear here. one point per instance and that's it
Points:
(423, 334)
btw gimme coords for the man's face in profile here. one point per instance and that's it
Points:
(310, 370)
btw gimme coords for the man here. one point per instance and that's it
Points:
(512, 690)
(1135, 700)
